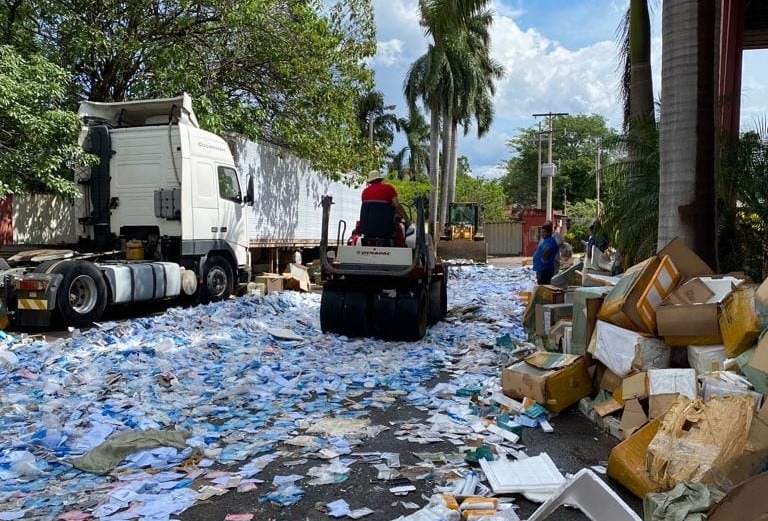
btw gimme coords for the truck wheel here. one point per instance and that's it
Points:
(82, 294)
(218, 280)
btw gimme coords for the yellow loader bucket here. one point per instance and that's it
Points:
(463, 249)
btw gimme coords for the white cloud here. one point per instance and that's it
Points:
(389, 53)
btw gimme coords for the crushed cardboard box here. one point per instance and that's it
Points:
(739, 323)
(627, 462)
(296, 278)
(632, 303)
(695, 437)
(555, 380)
(635, 386)
(633, 417)
(690, 315)
(586, 304)
(547, 315)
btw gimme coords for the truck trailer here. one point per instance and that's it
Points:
(170, 211)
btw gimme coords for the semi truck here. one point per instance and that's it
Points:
(169, 211)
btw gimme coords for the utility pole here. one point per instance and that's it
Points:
(538, 184)
(597, 180)
(551, 166)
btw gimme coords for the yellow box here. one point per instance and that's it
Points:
(739, 323)
(627, 463)
(664, 281)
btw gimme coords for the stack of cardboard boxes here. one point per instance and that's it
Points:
(670, 359)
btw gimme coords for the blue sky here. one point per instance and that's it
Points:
(559, 55)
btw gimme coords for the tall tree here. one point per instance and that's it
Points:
(412, 161)
(288, 72)
(687, 132)
(372, 117)
(38, 141)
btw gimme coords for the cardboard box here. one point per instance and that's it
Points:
(632, 418)
(635, 386)
(272, 282)
(739, 324)
(556, 388)
(631, 303)
(705, 359)
(547, 315)
(610, 381)
(627, 462)
(296, 278)
(624, 351)
(557, 335)
(542, 295)
(586, 304)
(754, 365)
(690, 315)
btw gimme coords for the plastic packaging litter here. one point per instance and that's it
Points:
(241, 377)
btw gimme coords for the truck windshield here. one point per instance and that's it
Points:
(229, 186)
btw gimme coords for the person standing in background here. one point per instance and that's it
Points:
(545, 255)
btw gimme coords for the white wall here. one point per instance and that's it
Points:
(43, 219)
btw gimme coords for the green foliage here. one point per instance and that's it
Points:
(412, 161)
(38, 142)
(489, 193)
(742, 209)
(408, 190)
(287, 72)
(574, 147)
(631, 215)
(581, 215)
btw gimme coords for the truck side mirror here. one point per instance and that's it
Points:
(250, 197)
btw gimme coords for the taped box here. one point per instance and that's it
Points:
(632, 302)
(739, 323)
(555, 380)
(624, 351)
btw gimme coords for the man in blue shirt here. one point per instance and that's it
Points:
(544, 258)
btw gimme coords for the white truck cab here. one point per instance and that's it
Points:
(161, 214)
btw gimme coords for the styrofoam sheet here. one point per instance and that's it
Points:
(534, 474)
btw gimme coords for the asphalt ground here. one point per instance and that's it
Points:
(576, 443)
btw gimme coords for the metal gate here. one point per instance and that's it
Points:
(505, 238)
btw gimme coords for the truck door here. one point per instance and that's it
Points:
(204, 202)
(231, 215)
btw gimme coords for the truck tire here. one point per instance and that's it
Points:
(218, 280)
(82, 294)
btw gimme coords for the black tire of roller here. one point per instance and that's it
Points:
(344, 312)
(412, 315)
(438, 300)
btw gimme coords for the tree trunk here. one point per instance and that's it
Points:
(452, 164)
(445, 171)
(434, 166)
(641, 82)
(687, 135)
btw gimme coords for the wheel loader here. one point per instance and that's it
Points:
(462, 236)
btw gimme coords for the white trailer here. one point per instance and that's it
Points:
(288, 212)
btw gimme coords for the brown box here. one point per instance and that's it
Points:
(633, 418)
(622, 305)
(739, 323)
(635, 386)
(555, 388)
(547, 315)
(272, 282)
(542, 295)
(296, 277)
(689, 316)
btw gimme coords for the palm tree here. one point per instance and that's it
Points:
(687, 132)
(637, 82)
(370, 108)
(413, 159)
